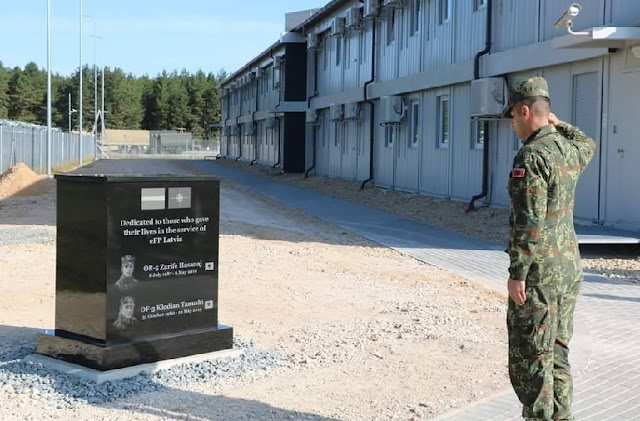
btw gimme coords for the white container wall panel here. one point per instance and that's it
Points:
(592, 14)
(364, 142)
(336, 64)
(223, 145)
(336, 129)
(241, 141)
(261, 137)
(622, 153)
(322, 143)
(383, 152)
(264, 157)
(351, 66)
(466, 166)
(349, 150)
(248, 149)
(410, 54)
(311, 63)
(435, 162)
(623, 12)
(470, 32)
(515, 23)
(233, 147)
(364, 50)
(388, 45)
(324, 66)
(270, 147)
(438, 45)
(407, 150)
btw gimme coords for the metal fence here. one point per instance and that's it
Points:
(27, 143)
(197, 149)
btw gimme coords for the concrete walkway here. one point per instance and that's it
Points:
(606, 340)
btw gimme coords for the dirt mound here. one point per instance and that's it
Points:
(20, 180)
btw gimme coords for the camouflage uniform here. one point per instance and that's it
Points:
(543, 250)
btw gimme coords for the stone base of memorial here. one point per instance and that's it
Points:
(136, 270)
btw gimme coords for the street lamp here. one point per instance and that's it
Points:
(80, 107)
(48, 87)
(95, 89)
(102, 84)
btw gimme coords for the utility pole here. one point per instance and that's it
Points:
(95, 91)
(80, 106)
(49, 87)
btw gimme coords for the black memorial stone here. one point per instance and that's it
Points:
(136, 270)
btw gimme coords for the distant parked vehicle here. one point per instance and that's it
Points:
(171, 142)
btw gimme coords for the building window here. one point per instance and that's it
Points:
(478, 133)
(414, 24)
(443, 121)
(444, 7)
(414, 132)
(389, 135)
(391, 23)
(479, 4)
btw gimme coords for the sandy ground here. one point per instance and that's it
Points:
(366, 332)
(487, 223)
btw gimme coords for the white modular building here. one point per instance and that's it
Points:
(408, 94)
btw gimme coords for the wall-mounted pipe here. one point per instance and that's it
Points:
(485, 146)
(280, 94)
(368, 101)
(313, 129)
(240, 140)
(255, 127)
(225, 124)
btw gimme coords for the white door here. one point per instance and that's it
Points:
(623, 152)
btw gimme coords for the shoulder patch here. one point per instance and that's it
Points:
(517, 172)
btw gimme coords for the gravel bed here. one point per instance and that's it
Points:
(15, 236)
(33, 381)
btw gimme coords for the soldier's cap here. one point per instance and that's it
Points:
(128, 259)
(127, 300)
(533, 87)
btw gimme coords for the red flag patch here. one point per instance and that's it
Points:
(517, 172)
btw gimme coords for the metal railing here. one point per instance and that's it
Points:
(27, 143)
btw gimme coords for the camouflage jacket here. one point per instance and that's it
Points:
(543, 248)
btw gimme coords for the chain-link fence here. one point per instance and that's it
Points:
(195, 149)
(27, 143)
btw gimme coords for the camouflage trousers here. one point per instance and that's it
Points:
(539, 335)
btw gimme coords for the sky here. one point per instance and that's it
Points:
(143, 36)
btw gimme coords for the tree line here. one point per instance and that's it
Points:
(169, 101)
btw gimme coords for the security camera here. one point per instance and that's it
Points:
(566, 20)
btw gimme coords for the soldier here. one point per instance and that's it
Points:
(125, 313)
(545, 273)
(127, 281)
